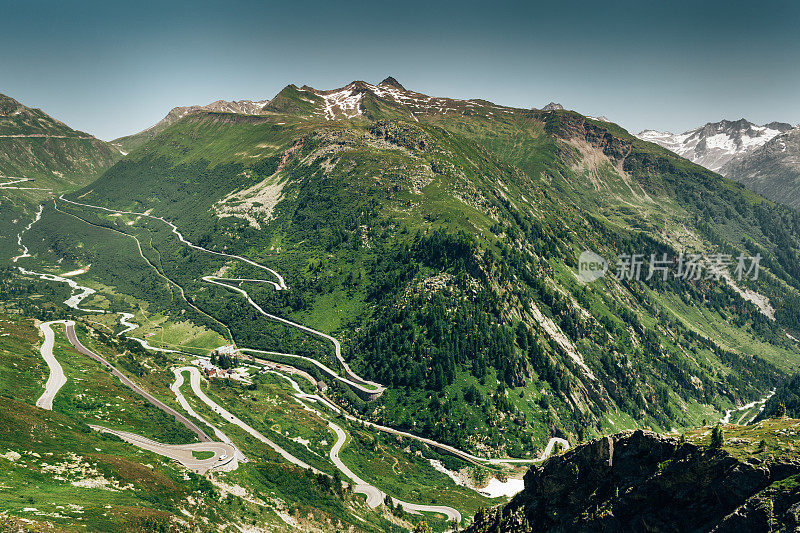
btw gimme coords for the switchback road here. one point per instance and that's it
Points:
(224, 457)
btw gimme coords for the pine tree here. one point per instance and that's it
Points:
(717, 437)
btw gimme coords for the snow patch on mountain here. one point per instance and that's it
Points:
(715, 144)
(346, 101)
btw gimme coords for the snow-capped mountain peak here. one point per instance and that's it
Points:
(716, 143)
(346, 102)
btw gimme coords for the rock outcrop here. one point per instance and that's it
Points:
(642, 481)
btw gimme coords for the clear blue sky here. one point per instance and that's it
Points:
(114, 68)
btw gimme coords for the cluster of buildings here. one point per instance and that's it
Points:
(212, 371)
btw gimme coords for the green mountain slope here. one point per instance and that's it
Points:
(439, 238)
(34, 145)
(40, 157)
(60, 475)
(130, 143)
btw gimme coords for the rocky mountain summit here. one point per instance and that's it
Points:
(356, 99)
(642, 481)
(552, 106)
(245, 107)
(716, 143)
(772, 170)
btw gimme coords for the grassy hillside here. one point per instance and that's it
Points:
(34, 145)
(442, 250)
(44, 157)
(57, 470)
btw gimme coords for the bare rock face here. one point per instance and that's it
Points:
(642, 481)
(717, 143)
(552, 106)
(773, 170)
(391, 82)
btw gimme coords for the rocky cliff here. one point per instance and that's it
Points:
(642, 481)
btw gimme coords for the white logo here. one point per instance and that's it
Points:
(591, 266)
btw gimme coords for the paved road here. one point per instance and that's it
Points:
(548, 450)
(446, 447)
(371, 386)
(361, 383)
(12, 184)
(326, 370)
(73, 339)
(176, 389)
(224, 457)
(280, 285)
(57, 379)
(373, 494)
(194, 381)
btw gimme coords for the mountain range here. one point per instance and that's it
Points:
(328, 167)
(763, 158)
(131, 142)
(772, 170)
(716, 143)
(427, 244)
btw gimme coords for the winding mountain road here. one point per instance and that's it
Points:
(548, 450)
(191, 426)
(194, 381)
(223, 458)
(56, 379)
(364, 384)
(351, 378)
(225, 455)
(13, 183)
(373, 387)
(373, 494)
(279, 285)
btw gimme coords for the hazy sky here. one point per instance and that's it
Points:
(114, 68)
